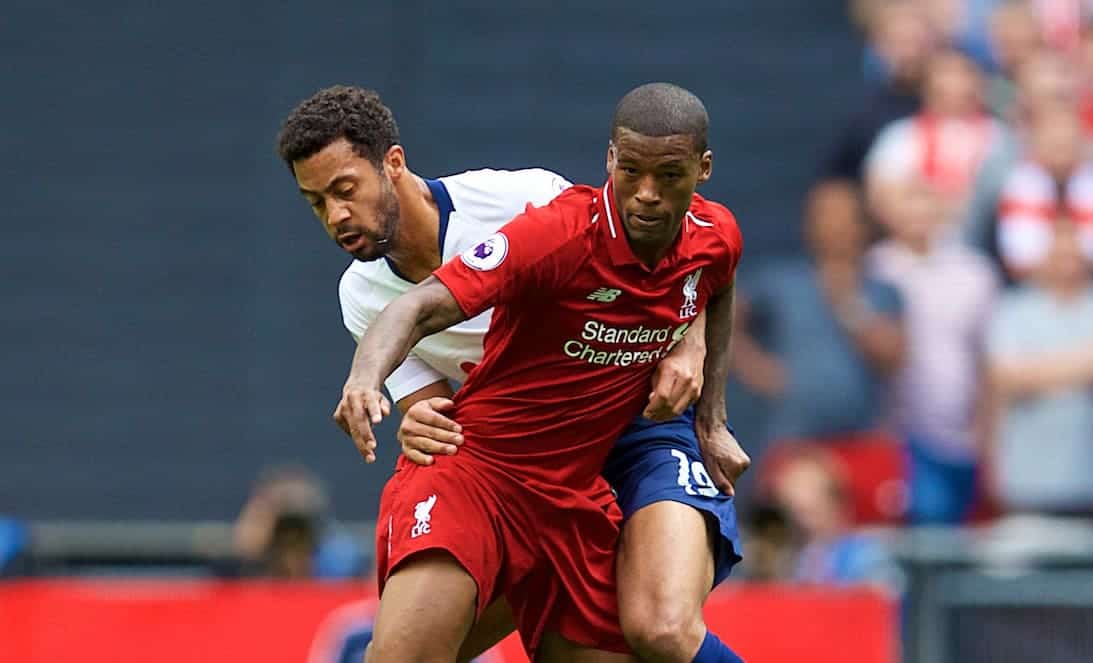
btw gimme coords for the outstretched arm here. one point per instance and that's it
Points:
(724, 458)
(425, 309)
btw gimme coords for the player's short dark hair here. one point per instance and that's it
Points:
(354, 113)
(663, 109)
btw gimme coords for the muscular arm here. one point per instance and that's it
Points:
(426, 309)
(757, 369)
(879, 337)
(719, 312)
(1015, 377)
(725, 460)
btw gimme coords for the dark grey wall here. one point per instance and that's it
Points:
(170, 320)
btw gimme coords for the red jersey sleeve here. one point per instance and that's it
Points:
(525, 256)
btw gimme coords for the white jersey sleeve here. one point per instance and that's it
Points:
(358, 311)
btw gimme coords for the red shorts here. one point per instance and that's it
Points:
(549, 550)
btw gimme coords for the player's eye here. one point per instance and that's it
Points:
(629, 171)
(672, 176)
(346, 192)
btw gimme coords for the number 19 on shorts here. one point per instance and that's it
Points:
(693, 476)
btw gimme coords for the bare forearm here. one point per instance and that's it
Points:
(426, 309)
(1019, 376)
(881, 340)
(719, 323)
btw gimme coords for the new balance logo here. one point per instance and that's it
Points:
(604, 295)
(422, 514)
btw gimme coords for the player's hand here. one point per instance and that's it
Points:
(358, 411)
(425, 431)
(677, 383)
(723, 456)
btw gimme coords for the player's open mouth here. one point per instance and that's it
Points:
(351, 241)
(644, 220)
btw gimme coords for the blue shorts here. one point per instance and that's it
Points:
(655, 462)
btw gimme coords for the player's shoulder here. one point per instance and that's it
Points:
(712, 217)
(359, 280)
(572, 212)
(499, 195)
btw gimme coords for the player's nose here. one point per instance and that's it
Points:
(337, 213)
(648, 193)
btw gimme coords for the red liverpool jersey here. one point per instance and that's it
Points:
(579, 324)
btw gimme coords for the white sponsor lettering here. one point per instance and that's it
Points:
(598, 333)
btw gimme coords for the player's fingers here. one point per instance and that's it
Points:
(416, 457)
(340, 418)
(685, 391)
(374, 407)
(385, 406)
(427, 416)
(441, 404)
(365, 441)
(418, 429)
(720, 478)
(354, 410)
(428, 446)
(664, 383)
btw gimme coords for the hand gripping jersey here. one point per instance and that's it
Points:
(578, 327)
(472, 205)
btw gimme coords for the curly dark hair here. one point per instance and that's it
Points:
(341, 111)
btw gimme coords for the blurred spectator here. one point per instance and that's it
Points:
(13, 543)
(810, 491)
(771, 547)
(1041, 361)
(833, 383)
(1044, 80)
(1015, 36)
(901, 38)
(1062, 22)
(285, 530)
(948, 292)
(1085, 76)
(946, 145)
(1055, 176)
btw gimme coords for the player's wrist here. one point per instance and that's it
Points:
(710, 415)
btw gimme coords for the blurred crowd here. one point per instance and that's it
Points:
(929, 360)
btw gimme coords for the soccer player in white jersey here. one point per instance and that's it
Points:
(342, 146)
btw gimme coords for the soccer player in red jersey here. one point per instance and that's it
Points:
(589, 292)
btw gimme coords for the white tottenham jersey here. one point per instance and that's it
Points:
(473, 205)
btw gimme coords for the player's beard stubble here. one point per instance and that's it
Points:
(381, 238)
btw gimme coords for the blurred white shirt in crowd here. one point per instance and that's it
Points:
(948, 296)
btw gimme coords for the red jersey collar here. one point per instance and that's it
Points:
(618, 246)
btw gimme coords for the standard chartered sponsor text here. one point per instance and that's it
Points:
(600, 333)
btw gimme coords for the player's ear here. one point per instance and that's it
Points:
(394, 163)
(705, 166)
(612, 157)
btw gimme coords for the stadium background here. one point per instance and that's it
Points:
(171, 325)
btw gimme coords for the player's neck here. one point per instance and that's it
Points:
(651, 253)
(416, 251)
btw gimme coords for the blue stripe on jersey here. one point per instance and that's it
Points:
(444, 205)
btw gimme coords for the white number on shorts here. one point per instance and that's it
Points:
(694, 470)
